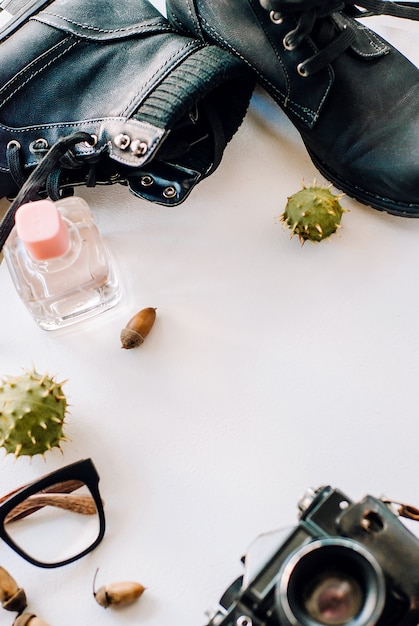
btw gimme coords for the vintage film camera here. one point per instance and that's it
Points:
(345, 563)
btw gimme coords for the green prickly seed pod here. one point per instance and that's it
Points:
(32, 412)
(313, 213)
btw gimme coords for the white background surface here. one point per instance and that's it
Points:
(271, 367)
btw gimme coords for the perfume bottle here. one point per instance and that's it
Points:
(59, 264)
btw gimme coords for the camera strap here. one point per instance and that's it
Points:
(405, 510)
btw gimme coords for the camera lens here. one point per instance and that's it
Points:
(333, 598)
(330, 582)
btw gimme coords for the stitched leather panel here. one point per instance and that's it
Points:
(46, 82)
(102, 20)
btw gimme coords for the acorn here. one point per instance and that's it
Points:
(138, 328)
(117, 594)
(12, 597)
(29, 619)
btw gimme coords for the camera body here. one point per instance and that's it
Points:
(345, 563)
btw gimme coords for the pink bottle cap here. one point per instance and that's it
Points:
(42, 230)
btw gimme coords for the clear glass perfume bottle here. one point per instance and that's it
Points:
(59, 264)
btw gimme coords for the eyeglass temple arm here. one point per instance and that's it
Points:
(75, 503)
(63, 487)
(28, 506)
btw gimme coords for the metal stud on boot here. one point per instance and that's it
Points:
(352, 96)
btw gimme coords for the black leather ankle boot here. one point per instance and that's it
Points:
(107, 92)
(352, 96)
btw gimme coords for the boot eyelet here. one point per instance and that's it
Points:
(302, 70)
(39, 146)
(146, 180)
(276, 17)
(13, 144)
(169, 192)
(93, 142)
(288, 45)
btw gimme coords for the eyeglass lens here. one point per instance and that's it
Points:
(55, 524)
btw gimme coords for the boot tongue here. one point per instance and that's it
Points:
(366, 43)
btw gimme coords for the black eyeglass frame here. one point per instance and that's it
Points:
(84, 471)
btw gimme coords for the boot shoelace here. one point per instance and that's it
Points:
(47, 171)
(47, 174)
(52, 182)
(309, 17)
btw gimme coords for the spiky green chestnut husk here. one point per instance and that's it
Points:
(32, 412)
(313, 213)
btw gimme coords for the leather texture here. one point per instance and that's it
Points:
(157, 103)
(358, 114)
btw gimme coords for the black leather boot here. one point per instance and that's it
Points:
(352, 96)
(110, 92)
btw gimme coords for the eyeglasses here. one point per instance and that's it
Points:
(56, 519)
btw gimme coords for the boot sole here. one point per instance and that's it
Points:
(376, 202)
